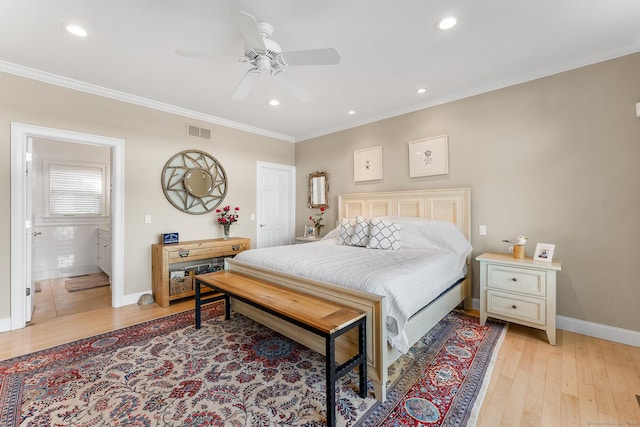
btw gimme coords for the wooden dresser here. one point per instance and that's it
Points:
(186, 255)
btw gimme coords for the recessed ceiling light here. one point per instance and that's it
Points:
(274, 102)
(351, 112)
(446, 23)
(421, 90)
(75, 29)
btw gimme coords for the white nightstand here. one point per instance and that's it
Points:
(306, 239)
(519, 290)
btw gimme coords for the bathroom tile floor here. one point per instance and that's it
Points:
(55, 301)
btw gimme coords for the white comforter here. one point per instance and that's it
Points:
(409, 278)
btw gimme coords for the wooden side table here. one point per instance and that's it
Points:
(521, 291)
(163, 256)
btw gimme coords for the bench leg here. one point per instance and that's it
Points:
(198, 304)
(331, 380)
(362, 343)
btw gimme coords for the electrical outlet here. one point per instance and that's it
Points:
(482, 230)
(147, 219)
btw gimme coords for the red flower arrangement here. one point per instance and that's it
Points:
(226, 216)
(317, 222)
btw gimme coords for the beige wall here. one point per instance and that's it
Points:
(555, 159)
(151, 138)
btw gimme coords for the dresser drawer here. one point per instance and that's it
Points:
(204, 251)
(518, 307)
(521, 280)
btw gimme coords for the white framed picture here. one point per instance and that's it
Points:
(367, 164)
(309, 232)
(429, 156)
(544, 252)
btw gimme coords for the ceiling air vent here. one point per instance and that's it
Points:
(198, 132)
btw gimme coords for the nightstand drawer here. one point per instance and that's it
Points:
(516, 306)
(521, 280)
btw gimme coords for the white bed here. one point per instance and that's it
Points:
(391, 286)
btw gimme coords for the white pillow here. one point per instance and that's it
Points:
(360, 232)
(431, 234)
(347, 227)
(384, 235)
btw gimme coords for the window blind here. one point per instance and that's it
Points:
(75, 190)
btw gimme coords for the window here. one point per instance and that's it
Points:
(76, 189)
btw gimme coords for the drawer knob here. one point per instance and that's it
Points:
(514, 306)
(514, 279)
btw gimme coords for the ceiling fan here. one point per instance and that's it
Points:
(265, 56)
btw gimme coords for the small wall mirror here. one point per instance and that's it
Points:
(319, 190)
(198, 182)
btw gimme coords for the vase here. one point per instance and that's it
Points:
(226, 231)
(318, 231)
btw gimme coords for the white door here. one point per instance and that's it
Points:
(276, 205)
(30, 234)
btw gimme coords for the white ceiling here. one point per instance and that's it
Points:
(389, 49)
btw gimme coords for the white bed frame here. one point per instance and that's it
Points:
(451, 205)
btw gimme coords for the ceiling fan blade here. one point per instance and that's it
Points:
(249, 28)
(246, 84)
(327, 56)
(295, 87)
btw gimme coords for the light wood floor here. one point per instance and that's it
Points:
(53, 300)
(581, 381)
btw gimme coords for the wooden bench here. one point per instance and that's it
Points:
(320, 316)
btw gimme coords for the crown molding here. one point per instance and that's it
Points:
(569, 65)
(68, 83)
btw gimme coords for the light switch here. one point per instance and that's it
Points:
(482, 230)
(147, 219)
(253, 217)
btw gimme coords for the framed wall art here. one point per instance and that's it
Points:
(367, 164)
(429, 156)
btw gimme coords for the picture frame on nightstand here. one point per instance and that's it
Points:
(544, 252)
(309, 232)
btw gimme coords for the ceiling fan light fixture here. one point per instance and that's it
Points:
(274, 102)
(421, 91)
(351, 112)
(447, 22)
(75, 29)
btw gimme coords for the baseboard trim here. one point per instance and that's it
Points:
(133, 298)
(597, 330)
(5, 324)
(591, 329)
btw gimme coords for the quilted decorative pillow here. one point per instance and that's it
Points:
(384, 235)
(347, 227)
(360, 232)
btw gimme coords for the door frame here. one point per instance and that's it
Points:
(19, 135)
(291, 170)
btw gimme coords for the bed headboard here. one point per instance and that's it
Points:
(450, 204)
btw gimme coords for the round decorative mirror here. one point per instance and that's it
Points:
(194, 182)
(198, 182)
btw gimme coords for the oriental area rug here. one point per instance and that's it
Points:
(238, 373)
